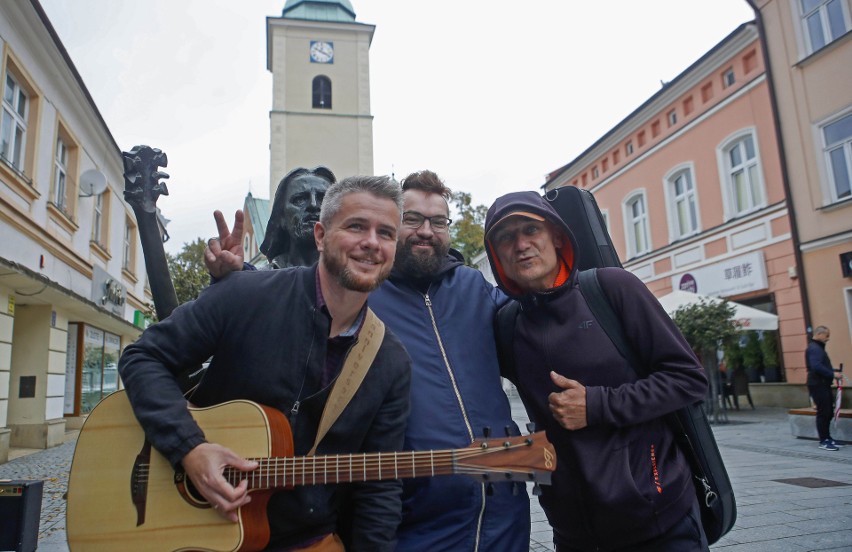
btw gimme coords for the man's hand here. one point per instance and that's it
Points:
(205, 464)
(225, 254)
(569, 405)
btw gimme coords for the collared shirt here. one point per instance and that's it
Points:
(338, 345)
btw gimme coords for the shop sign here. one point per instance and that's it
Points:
(108, 292)
(733, 276)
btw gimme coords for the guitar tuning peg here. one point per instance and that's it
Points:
(531, 427)
(486, 431)
(489, 489)
(537, 489)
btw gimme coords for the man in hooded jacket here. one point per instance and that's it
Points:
(621, 481)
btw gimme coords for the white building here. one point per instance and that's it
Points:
(72, 274)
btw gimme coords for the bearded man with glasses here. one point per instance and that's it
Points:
(443, 313)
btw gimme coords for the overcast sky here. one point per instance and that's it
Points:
(490, 94)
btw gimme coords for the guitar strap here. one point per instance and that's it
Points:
(355, 367)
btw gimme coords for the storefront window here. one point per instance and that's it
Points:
(98, 373)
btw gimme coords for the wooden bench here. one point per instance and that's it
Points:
(803, 424)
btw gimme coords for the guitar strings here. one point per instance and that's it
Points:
(358, 467)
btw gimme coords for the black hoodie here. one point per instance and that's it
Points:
(621, 480)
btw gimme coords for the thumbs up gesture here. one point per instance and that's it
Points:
(568, 406)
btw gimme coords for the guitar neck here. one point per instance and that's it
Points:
(286, 472)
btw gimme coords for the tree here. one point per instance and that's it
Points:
(707, 326)
(187, 270)
(468, 230)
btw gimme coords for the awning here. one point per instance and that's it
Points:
(748, 317)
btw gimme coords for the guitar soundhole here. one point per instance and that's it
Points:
(188, 491)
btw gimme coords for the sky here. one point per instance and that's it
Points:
(490, 94)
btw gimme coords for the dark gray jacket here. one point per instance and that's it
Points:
(268, 341)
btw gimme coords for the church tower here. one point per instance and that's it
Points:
(319, 57)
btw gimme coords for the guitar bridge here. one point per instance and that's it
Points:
(139, 481)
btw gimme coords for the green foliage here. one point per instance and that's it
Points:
(187, 270)
(467, 232)
(769, 348)
(752, 352)
(705, 325)
(733, 355)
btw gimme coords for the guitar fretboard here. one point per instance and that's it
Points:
(344, 468)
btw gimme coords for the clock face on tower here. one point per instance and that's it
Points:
(322, 52)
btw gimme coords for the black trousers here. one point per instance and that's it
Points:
(687, 535)
(821, 394)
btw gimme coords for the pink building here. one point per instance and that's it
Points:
(691, 187)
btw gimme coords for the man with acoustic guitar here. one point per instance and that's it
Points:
(280, 338)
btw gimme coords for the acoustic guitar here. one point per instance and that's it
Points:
(124, 495)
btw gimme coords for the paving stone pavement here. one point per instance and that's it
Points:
(757, 445)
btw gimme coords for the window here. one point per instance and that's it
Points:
(824, 21)
(19, 116)
(595, 172)
(63, 193)
(741, 169)
(688, 106)
(728, 78)
(322, 92)
(672, 117)
(13, 131)
(615, 157)
(837, 137)
(97, 220)
(683, 208)
(628, 148)
(60, 174)
(636, 225)
(100, 221)
(604, 165)
(129, 249)
(655, 129)
(640, 138)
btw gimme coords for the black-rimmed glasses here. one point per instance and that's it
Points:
(413, 219)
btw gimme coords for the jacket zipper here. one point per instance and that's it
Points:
(428, 302)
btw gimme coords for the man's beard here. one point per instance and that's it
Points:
(420, 265)
(336, 266)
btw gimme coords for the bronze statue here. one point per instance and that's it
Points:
(289, 239)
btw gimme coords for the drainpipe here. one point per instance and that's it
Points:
(785, 179)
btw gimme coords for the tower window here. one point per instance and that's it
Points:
(322, 92)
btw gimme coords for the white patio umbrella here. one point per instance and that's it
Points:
(748, 317)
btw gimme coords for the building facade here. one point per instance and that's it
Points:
(72, 274)
(319, 57)
(808, 44)
(691, 187)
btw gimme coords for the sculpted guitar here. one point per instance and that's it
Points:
(123, 495)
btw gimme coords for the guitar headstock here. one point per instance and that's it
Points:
(522, 458)
(142, 176)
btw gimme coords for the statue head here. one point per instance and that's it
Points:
(295, 210)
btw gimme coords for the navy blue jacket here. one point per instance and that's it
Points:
(622, 479)
(268, 340)
(819, 367)
(446, 325)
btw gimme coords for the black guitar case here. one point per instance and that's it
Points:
(581, 213)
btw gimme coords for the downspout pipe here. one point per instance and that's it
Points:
(785, 177)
